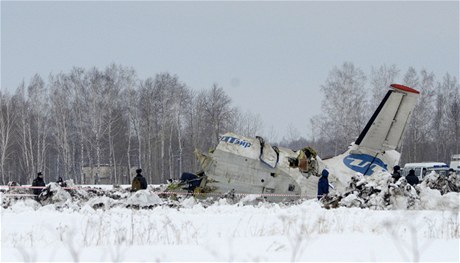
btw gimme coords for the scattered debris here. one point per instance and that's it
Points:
(380, 193)
(376, 192)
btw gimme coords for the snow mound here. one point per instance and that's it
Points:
(54, 194)
(25, 205)
(103, 202)
(188, 202)
(249, 199)
(144, 198)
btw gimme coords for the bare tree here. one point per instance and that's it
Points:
(419, 127)
(32, 124)
(196, 130)
(39, 110)
(117, 78)
(7, 118)
(453, 113)
(182, 105)
(95, 105)
(218, 111)
(344, 104)
(449, 123)
(437, 127)
(131, 97)
(248, 124)
(61, 113)
(380, 80)
(79, 86)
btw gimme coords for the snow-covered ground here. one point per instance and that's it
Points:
(141, 226)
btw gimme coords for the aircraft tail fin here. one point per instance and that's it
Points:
(375, 148)
(385, 129)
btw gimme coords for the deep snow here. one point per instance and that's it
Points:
(117, 225)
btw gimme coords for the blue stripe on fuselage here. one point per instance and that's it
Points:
(363, 162)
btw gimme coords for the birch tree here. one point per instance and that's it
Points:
(117, 78)
(218, 111)
(95, 106)
(79, 86)
(7, 119)
(450, 107)
(181, 105)
(419, 127)
(249, 124)
(344, 105)
(32, 124)
(39, 110)
(61, 113)
(131, 100)
(380, 80)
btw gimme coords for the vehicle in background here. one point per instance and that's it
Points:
(455, 163)
(425, 168)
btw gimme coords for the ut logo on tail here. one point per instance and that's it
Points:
(363, 163)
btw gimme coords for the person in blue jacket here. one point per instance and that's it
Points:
(323, 184)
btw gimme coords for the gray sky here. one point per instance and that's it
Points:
(270, 57)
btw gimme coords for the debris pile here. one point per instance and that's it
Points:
(53, 193)
(381, 193)
(445, 184)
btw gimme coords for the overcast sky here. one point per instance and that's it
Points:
(270, 57)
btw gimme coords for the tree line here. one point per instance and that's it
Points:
(95, 118)
(110, 118)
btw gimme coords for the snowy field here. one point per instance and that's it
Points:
(190, 230)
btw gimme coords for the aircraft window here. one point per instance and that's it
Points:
(291, 187)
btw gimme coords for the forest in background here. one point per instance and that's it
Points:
(110, 118)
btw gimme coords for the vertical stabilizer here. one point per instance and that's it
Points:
(375, 148)
(386, 127)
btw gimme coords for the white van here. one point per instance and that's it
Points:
(423, 169)
(455, 162)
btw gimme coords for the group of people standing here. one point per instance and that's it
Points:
(38, 183)
(411, 178)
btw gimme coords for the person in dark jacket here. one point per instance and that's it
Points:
(139, 181)
(61, 182)
(323, 184)
(396, 173)
(38, 182)
(411, 178)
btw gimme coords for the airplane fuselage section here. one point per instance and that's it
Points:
(251, 166)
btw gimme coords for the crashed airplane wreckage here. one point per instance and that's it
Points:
(241, 165)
